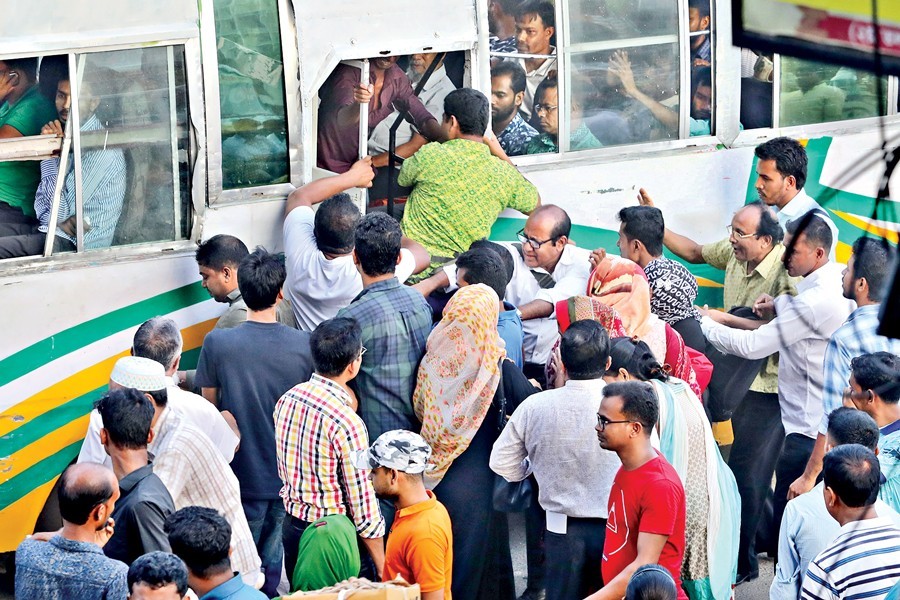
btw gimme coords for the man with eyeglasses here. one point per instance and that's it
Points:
(546, 108)
(751, 257)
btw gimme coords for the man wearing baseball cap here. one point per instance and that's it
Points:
(420, 545)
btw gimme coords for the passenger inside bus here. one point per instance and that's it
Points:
(502, 25)
(699, 21)
(546, 107)
(507, 96)
(535, 34)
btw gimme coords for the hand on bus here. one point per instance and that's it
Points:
(52, 128)
(620, 66)
(644, 198)
(362, 94)
(361, 173)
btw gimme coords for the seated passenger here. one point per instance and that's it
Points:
(103, 183)
(813, 99)
(699, 20)
(535, 32)
(507, 96)
(389, 90)
(23, 110)
(652, 109)
(502, 21)
(462, 185)
(546, 107)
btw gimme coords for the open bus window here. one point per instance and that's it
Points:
(251, 93)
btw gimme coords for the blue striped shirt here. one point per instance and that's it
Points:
(862, 562)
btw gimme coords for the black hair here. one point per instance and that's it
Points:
(852, 472)
(768, 224)
(334, 224)
(879, 372)
(873, 260)
(850, 426)
(701, 6)
(548, 82)
(700, 77)
(260, 278)
(53, 69)
(200, 537)
(789, 156)
(818, 233)
(639, 402)
(562, 226)
(584, 349)
(651, 582)
(26, 66)
(378, 244)
(645, 224)
(157, 570)
(158, 339)
(127, 415)
(483, 265)
(506, 258)
(221, 251)
(335, 343)
(636, 357)
(471, 109)
(78, 499)
(543, 9)
(160, 397)
(516, 74)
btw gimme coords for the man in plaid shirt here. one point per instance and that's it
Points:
(317, 433)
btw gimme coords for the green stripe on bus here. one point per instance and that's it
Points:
(79, 336)
(37, 475)
(32, 431)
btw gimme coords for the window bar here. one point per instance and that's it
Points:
(173, 135)
(75, 117)
(684, 75)
(61, 175)
(364, 112)
(776, 91)
(563, 77)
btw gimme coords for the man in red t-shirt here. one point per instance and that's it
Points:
(646, 504)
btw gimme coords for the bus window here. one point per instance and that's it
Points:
(251, 93)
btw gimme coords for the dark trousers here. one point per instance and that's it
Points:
(758, 437)
(10, 214)
(291, 531)
(535, 549)
(573, 559)
(791, 464)
(265, 518)
(691, 333)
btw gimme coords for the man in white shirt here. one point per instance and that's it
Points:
(549, 435)
(535, 31)
(318, 246)
(807, 528)
(799, 331)
(780, 177)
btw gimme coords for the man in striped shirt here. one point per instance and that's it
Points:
(864, 560)
(317, 433)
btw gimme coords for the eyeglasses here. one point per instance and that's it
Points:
(738, 234)
(547, 108)
(602, 422)
(535, 244)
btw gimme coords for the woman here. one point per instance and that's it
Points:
(455, 398)
(713, 503)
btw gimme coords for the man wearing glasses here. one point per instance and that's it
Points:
(751, 257)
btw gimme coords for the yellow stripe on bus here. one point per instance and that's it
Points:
(48, 445)
(19, 517)
(865, 225)
(703, 281)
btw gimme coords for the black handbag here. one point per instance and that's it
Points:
(509, 496)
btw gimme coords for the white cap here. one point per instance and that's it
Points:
(139, 373)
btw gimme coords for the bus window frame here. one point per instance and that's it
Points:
(217, 195)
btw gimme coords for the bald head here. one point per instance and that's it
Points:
(555, 219)
(83, 489)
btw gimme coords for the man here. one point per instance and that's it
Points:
(157, 576)
(200, 537)
(698, 24)
(535, 33)
(239, 372)
(646, 503)
(673, 288)
(23, 111)
(874, 389)
(549, 435)
(145, 502)
(780, 177)
(395, 321)
(701, 102)
(865, 279)
(799, 331)
(72, 563)
(432, 95)
(751, 257)
(462, 185)
(502, 21)
(317, 432)
(546, 108)
(507, 96)
(864, 560)
(186, 460)
(388, 90)
(807, 528)
(420, 546)
(318, 247)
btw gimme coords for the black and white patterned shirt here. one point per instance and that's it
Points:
(673, 290)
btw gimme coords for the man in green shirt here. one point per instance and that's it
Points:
(546, 107)
(752, 259)
(23, 111)
(460, 186)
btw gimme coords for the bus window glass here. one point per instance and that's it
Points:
(812, 92)
(756, 89)
(251, 93)
(608, 20)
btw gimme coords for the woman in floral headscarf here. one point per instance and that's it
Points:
(456, 400)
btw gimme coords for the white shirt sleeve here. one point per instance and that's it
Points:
(92, 450)
(406, 266)
(509, 457)
(298, 232)
(786, 583)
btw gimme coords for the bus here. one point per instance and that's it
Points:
(213, 107)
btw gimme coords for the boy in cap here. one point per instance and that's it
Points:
(420, 545)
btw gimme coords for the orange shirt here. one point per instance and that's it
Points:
(420, 546)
